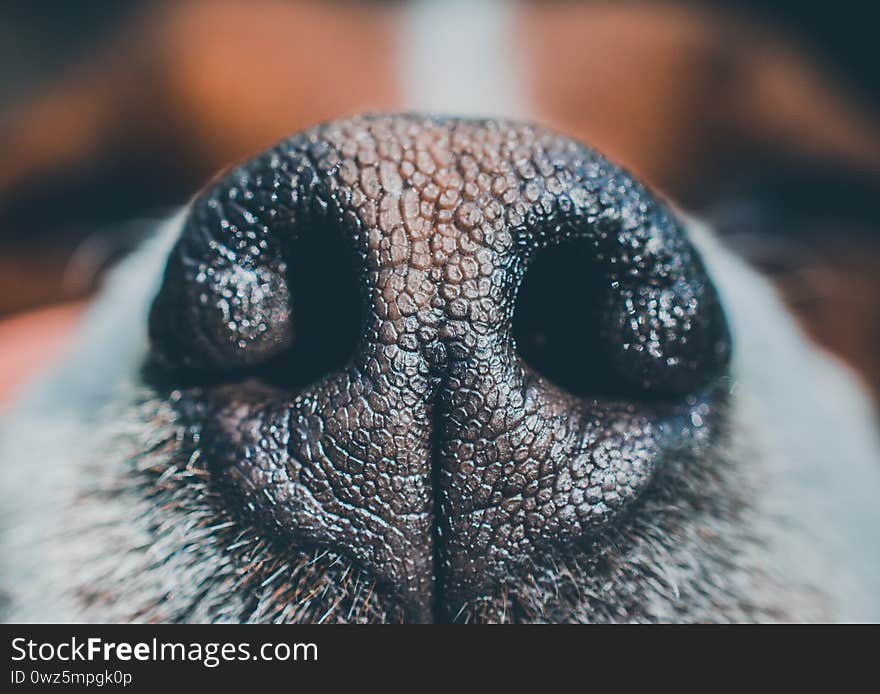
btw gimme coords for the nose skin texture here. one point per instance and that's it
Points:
(435, 458)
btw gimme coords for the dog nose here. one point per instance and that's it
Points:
(441, 349)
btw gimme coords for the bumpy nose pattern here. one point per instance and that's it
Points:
(436, 459)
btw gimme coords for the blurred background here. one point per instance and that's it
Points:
(760, 116)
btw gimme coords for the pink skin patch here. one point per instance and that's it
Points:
(31, 341)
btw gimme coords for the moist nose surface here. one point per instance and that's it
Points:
(435, 458)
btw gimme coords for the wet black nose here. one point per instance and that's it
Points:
(476, 341)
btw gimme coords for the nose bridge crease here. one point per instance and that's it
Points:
(437, 255)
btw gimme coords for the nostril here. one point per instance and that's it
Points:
(594, 336)
(327, 308)
(281, 303)
(557, 319)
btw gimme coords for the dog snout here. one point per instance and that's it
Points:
(440, 348)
